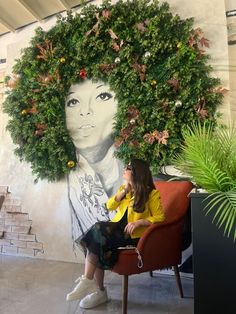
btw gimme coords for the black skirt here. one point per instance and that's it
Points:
(103, 240)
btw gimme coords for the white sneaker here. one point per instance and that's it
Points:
(94, 299)
(83, 288)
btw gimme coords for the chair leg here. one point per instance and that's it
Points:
(151, 273)
(125, 294)
(178, 280)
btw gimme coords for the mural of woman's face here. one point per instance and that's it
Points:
(90, 109)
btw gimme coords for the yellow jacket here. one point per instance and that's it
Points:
(153, 210)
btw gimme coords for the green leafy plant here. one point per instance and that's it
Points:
(208, 155)
(154, 61)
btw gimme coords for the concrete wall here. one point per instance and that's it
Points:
(47, 203)
(230, 5)
(210, 17)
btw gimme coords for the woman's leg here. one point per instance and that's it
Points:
(99, 278)
(90, 265)
(99, 296)
(85, 284)
(92, 271)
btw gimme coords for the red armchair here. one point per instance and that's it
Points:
(160, 245)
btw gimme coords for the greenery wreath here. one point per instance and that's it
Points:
(154, 62)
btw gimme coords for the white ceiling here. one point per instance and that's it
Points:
(15, 14)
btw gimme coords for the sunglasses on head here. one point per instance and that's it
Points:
(129, 167)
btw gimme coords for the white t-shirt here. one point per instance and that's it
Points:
(88, 192)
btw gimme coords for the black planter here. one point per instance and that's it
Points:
(214, 263)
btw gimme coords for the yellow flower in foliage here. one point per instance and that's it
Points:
(70, 164)
(24, 112)
(153, 83)
(179, 44)
(62, 60)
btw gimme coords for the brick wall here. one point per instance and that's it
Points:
(16, 237)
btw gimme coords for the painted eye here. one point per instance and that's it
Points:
(104, 96)
(72, 102)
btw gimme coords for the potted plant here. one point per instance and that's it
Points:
(208, 155)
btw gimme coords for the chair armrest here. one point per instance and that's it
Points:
(154, 230)
(161, 243)
(159, 247)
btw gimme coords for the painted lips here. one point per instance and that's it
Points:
(86, 126)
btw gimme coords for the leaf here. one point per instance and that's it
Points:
(141, 27)
(112, 34)
(204, 42)
(174, 83)
(115, 46)
(221, 90)
(208, 155)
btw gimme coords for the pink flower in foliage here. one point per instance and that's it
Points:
(40, 129)
(134, 144)
(174, 83)
(118, 142)
(133, 112)
(149, 138)
(202, 112)
(161, 137)
(141, 27)
(200, 108)
(106, 14)
(125, 132)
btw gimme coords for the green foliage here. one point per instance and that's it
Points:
(209, 156)
(153, 61)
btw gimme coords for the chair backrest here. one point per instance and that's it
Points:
(174, 198)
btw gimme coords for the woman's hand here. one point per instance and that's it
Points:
(122, 194)
(127, 187)
(131, 226)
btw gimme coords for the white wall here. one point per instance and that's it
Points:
(47, 202)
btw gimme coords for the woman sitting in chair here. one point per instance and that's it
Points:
(138, 205)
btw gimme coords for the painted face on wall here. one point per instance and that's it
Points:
(90, 109)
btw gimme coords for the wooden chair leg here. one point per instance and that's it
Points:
(125, 293)
(178, 280)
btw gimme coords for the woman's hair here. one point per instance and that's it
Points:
(139, 57)
(142, 183)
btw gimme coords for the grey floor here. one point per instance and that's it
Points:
(34, 286)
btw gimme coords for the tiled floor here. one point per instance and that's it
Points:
(34, 286)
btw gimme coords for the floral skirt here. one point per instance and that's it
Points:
(103, 240)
